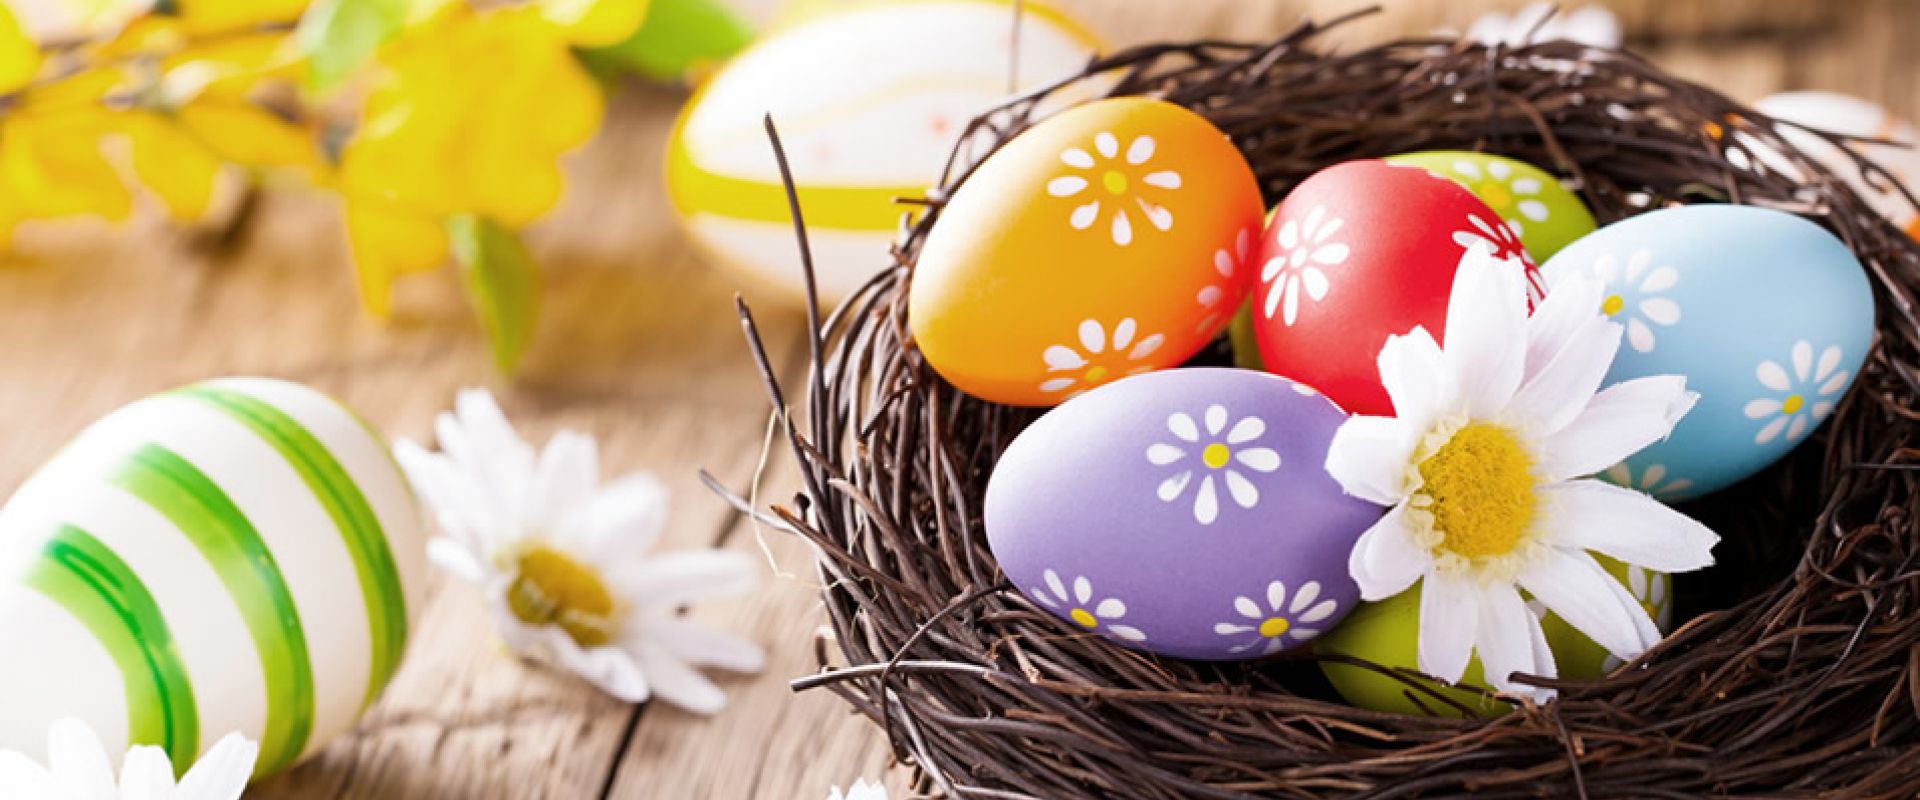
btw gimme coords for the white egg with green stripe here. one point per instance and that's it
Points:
(238, 555)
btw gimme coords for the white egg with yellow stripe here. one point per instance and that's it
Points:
(869, 102)
(238, 555)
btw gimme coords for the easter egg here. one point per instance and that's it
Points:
(1387, 633)
(1107, 240)
(1543, 213)
(1358, 252)
(1851, 116)
(1767, 315)
(238, 555)
(869, 103)
(1186, 512)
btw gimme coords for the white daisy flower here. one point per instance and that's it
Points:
(562, 559)
(860, 790)
(1081, 607)
(1653, 480)
(1306, 245)
(1652, 590)
(1100, 358)
(1485, 470)
(1639, 292)
(1110, 181)
(1217, 452)
(78, 769)
(1227, 263)
(1278, 624)
(1811, 391)
(1502, 189)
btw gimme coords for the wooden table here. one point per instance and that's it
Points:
(638, 346)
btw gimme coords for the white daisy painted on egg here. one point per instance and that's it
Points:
(1080, 606)
(1653, 480)
(1214, 454)
(1226, 263)
(1636, 294)
(1306, 245)
(1100, 357)
(1502, 189)
(1651, 589)
(1798, 399)
(1280, 622)
(1107, 180)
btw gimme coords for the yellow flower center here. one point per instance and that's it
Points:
(1495, 194)
(1085, 619)
(1479, 488)
(1096, 374)
(1274, 626)
(1215, 455)
(1612, 305)
(1115, 182)
(553, 589)
(1793, 404)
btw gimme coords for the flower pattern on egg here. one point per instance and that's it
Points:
(1638, 291)
(1279, 621)
(1800, 394)
(1502, 242)
(1650, 588)
(1227, 263)
(1306, 245)
(1516, 197)
(1079, 606)
(1214, 455)
(1653, 480)
(1100, 358)
(1106, 179)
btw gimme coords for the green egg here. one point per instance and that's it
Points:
(1545, 214)
(1387, 633)
(1246, 348)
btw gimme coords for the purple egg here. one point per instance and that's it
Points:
(1187, 512)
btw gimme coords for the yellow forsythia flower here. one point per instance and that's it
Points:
(19, 55)
(595, 23)
(219, 16)
(51, 166)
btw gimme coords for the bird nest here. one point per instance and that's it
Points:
(1797, 672)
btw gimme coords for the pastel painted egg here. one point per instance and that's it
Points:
(1851, 116)
(1767, 315)
(1543, 213)
(239, 555)
(1358, 252)
(869, 103)
(1184, 512)
(1387, 633)
(1107, 240)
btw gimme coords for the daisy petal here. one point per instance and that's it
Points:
(146, 774)
(222, 773)
(1661, 310)
(1248, 608)
(1206, 506)
(1569, 306)
(1503, 639)
(1171, 488)
(683, 577)
(1414, 372)
(1486, 312)
(1076, 157)
(609, 669)
(679, 684)
(1084, 216)
(1320, 611)
(1628, 526)
(1140, 150)
(1371, 457)
(625, 516)
(1163, 454)
(1122, 229)
(1110, 608)
(1761, 408)
(1621, 420)
(1258, 459)
(1246, 430)
(1556, 394)
(19, 774)
(1242, 490)
(77, 761)
(1066, 186)
(1543, 663)
(1571, 584)
(1127, 632)
(1829, 359)
(1165, 179)
(456, 559)
(1773, 376)
(1386, 560)
(1106, 144)
(1093, 336)
(1059, 357)
(1449, 619)
(702, 646)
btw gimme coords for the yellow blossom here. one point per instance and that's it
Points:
(218, 16)
(19, 55)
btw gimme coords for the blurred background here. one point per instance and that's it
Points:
(636, 342)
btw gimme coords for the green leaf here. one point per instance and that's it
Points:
(677, 36)
(502, 282)
(340, 36)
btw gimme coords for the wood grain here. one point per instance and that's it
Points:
(639, 347)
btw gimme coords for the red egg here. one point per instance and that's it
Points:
(1358, 252)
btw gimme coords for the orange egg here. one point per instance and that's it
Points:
(1110, 239)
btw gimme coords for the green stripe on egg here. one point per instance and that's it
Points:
(81, 575)
(204, 513)
(360, 528)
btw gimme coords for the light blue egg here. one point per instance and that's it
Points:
(1768, 316)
